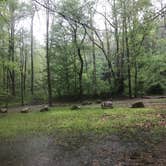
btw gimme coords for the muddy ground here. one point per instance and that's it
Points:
(109, 151)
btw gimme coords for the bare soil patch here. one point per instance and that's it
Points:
(108, 151)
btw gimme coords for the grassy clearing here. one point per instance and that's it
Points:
(62, 121)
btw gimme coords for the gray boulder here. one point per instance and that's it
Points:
(75, 107)
(139, 104)
(44, 109)
(25, 110)
(106, 104)
(3, 110)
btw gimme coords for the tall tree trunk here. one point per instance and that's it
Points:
(75, 74)
(93, 57)
(85, 60)
(94, 70)
(128, 61)
(67, 74)
(32, 54)
(127, 50)
(121, 81)
(22, 88)
(80, 71)
(4, 76)
(22, 67)
(136, 79)
(108, 51)
(12, 56)
(164, 15)
(7, 86)
(116, 39)
(48, 57)
(77, 46)
(25, 70)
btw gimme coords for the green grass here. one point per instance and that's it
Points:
(62, 121)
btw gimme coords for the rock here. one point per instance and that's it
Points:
(44, 109)
(75, 107)
(106, 104)
(139, 104)
(3, 110)
(86, 103)
(25, 110)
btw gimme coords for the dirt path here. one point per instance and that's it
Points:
(109, 151)
(157, 103)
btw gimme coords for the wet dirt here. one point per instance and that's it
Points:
(108, 151)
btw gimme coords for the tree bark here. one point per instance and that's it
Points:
(48, 58)
(136, 80)
(22, 67)
(12, 56)
(25, 70)
(128, 61)
(93, 57)
(32, 54)
(80, 71)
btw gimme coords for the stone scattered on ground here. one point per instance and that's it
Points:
(153, 102)
(25, 110)
(106, 104)
(139, 104)
(75, 107)
(44, 109)
(3, 110)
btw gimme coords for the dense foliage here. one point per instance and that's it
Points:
(116, 50)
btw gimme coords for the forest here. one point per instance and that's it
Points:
(82, 82)
(90, 49)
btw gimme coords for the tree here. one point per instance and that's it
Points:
(48, 57)
(32, 47)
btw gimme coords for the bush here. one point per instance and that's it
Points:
(155, 89)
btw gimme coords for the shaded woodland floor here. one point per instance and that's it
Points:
(88, 149)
